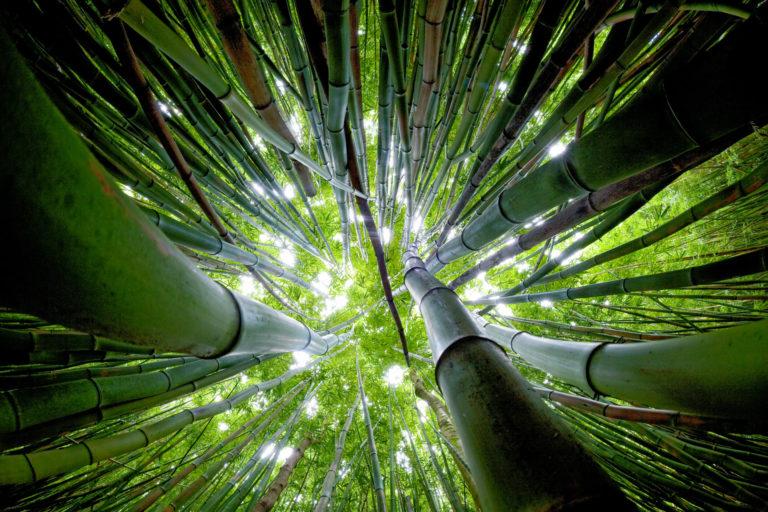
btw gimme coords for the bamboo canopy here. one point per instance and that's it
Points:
(526, 239)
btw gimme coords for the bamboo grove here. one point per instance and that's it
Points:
(432, 255)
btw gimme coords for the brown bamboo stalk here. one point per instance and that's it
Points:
(239, 50)
(281, 480)
(373, 234)
(675, 419)
(138, 82)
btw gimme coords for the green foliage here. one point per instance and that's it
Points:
(256, 191)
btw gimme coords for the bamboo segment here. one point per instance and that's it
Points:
(32, 406)
(528, 93)
(722, 374)
(594, 202)
(501, 424)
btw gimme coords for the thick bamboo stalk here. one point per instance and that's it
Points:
(528, 93)
(502, 426)
(95, 233)
(595, 202)
(689, 106)
(24, 408)
(722, 374)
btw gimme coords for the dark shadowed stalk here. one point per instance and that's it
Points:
(500, 423)
(730, 268)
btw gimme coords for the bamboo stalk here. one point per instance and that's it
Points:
(697, 374)
(278, 485)
(596, 160)
(475, 376)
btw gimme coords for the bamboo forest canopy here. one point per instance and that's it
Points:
(384, 255)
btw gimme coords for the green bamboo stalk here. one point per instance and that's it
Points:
(619, 214)
(491, 406)
(274, 408)
(730, 268)
(56, 341)
(594, 202)
(720, 374)
(527, 93)
(136, 15)
(378, 483)
(33, 379)
(30, 467)
(24, 408)
(183, 234)
(326, 490)
(676, 114)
